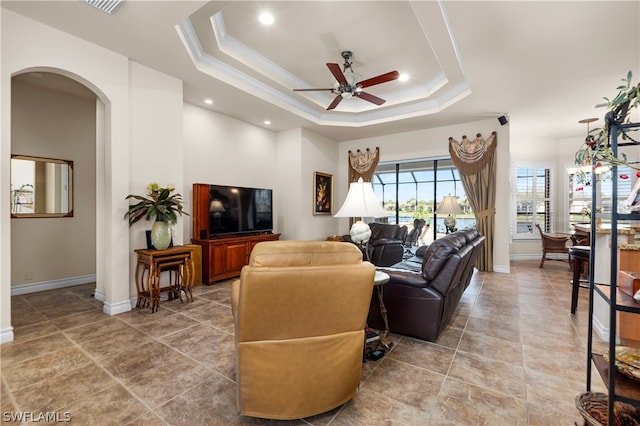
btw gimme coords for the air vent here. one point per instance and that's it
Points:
(106, 6)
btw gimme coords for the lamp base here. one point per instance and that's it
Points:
(360, 233)
(450, 224)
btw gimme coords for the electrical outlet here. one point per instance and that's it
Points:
(28, 275)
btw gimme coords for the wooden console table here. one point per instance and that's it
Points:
(224, 258)
(152, 262)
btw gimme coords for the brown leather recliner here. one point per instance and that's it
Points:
(300, 309)
(386, 244)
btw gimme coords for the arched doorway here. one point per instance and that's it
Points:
(54, 117)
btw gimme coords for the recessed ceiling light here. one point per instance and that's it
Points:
(403, 77)
(267, 122)
(208, 101)
(266, 18)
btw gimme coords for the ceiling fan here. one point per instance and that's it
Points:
(349, 84)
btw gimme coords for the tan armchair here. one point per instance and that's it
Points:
(300, 309)
(553, 243)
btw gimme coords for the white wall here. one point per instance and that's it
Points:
(156, 148)
(289, 202)
(319, 154)
(221, 150)
(122, 135)
(433, 143)
(47, 123)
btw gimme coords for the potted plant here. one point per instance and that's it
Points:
(160, 205)
(597, 147)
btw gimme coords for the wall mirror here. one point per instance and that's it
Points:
(41, 187)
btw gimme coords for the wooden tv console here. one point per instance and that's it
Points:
(224, 258)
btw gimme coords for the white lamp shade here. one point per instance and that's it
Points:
(361, 201)
(449, 205)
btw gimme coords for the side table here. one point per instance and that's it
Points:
(152, 262)
(380, 279)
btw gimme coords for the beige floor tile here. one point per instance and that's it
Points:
(499, 376)
(571, 365)
(372, 408)
(513, 354)
(35, 331)
(167, 325)
(46, 366)
(111, 406)
(62, 390)
(460, 403)
(491, 347)
(405, 383)
(79, 319)
(175, 375)
(423, 354)
(506, 331)
(552, 391)
(18, 351)
(213, 399)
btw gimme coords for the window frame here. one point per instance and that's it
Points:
(549, 201)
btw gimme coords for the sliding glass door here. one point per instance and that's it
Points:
(412, 190)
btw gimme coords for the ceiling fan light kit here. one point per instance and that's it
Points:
(350, 84)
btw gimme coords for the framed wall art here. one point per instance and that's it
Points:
(322, 193)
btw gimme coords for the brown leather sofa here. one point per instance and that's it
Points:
(300, 309)
(423, 292)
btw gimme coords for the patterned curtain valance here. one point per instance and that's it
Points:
(471, 156)
(363, 164)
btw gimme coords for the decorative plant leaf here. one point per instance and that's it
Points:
(158, 204)
(597, 146)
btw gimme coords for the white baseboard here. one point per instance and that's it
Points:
(602, 332)
(538, 257)
(501, 269)
(52, 285)
(6, 335)
(99, 295)
(116, 308)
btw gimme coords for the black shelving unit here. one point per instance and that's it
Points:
(620, 388)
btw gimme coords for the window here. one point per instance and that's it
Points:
(411, 190)
(534, 202)
(580, 193)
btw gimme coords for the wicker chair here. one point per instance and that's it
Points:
(553, 243)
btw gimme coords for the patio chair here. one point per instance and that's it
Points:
(553, 243)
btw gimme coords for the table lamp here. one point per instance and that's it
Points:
(449, 206)
(361, 202)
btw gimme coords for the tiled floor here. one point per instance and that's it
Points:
(513, 355)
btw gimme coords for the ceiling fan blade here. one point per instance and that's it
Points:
(382, 78)
(330, 89)
(337, 73)
(335, 103)
(369, 97)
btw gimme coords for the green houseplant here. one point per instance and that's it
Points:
(597, 147)
(161, 205)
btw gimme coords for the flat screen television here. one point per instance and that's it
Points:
(238, 210)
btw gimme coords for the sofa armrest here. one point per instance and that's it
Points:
(403, 277)
(385, 241)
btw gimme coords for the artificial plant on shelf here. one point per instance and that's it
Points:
(160, 205)
(597, 147)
